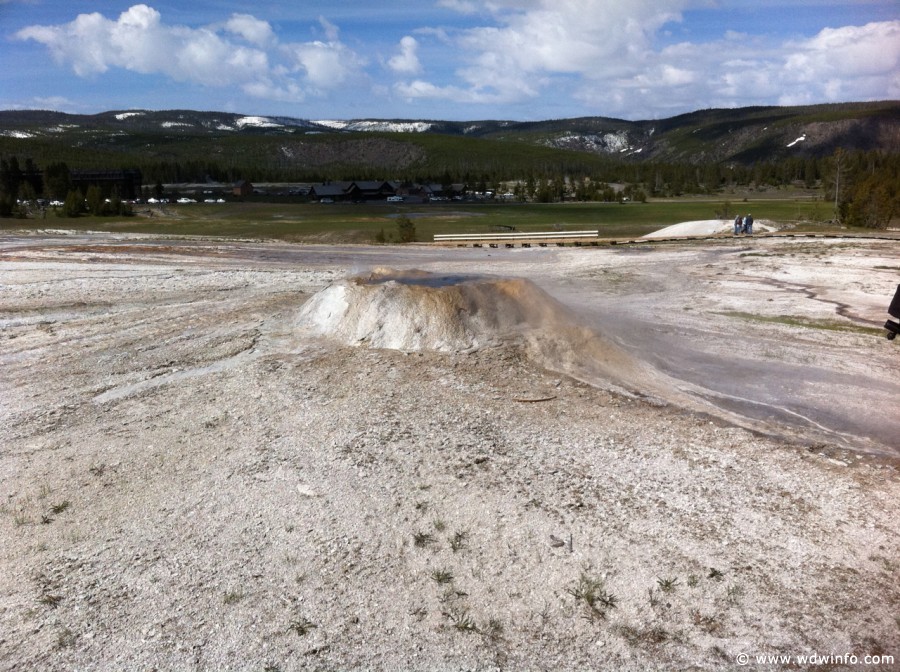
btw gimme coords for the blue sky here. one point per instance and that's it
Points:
(446, 59)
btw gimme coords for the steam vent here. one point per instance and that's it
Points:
(415, 310)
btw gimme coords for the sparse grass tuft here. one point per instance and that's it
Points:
(442, 576)
(66, 639)
(301, 625)
(706, 623)
(715, 574)
(50, 600)
(493, 630)
(233, 596)
(440, 525)
(667, 585)
(592, 591)
(636, 636)
(59, 508)
(423, 539)
(461, 620)
(459, 540)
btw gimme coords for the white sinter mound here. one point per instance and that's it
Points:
(415, 310)
(703, 227)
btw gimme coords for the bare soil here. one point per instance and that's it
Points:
(190, 481)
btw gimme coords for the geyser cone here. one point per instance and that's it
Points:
(415, 310)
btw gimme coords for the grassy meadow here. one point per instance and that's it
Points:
(364, 223)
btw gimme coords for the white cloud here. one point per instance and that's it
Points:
(536, 42)
(251, 29)
(139, 41)
(327, 65)
(331, 30)
(604, 53)
(855, 61)
(407, 60)
(419, 89)
(461, 6)
(603, 56)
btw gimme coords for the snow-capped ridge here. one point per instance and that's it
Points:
(257, 122)
(376, 125)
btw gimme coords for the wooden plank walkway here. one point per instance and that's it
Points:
(591, 238)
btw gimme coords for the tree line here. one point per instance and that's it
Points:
(862, 186)
(22, 186)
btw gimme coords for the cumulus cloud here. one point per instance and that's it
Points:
(600, 56)
(849, 63)
(242, 51)
(251, 29)
(407, 60)
(606, 52)
(326, 64)
(535, 41)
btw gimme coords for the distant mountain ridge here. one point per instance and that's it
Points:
(742, 135)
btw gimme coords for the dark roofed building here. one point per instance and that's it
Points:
(360, 190)
(242, 188)
(372, 190)
(127, 183)
(336, 191)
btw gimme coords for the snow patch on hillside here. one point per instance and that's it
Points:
(593, 142)
(122, 116)
(376, 125)
(257, 122)
(802, 138)
(176, 124)
(21, 135)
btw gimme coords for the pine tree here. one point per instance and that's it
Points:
(74, 204)
(406, 229)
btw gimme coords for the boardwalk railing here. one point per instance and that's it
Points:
(510, 237)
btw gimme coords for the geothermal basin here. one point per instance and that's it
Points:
(220, 454)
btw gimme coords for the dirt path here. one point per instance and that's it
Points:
(189, 483)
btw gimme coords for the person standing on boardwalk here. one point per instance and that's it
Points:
(748, 224)
(738, 224)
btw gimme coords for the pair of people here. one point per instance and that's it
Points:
(743, 225)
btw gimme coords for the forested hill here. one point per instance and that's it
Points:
(226, 145)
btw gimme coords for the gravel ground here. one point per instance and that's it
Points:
(192, 482)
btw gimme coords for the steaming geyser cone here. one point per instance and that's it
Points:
(414, 310)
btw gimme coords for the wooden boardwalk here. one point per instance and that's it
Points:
(592, 238)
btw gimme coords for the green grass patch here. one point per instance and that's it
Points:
(792, 321)
(362, 223)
